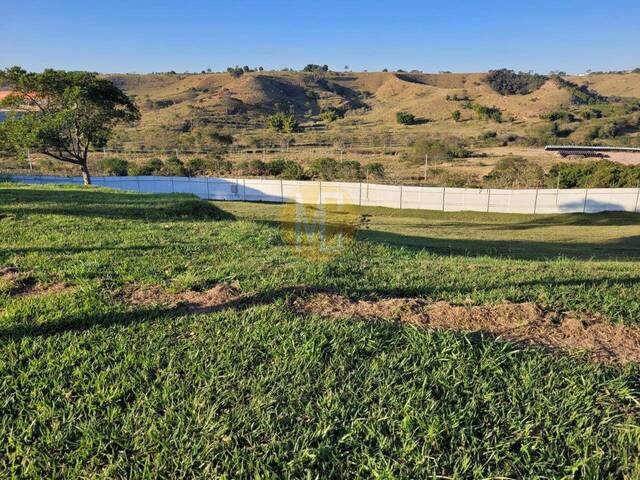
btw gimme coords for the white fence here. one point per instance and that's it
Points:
(369, 194)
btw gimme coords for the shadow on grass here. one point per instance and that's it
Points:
(627, 248)
(98, 203)
(285, 295)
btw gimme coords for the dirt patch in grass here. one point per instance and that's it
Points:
(519, 322)
(190, 300)
(16, 284)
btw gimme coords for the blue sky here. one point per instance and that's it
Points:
(456, 35)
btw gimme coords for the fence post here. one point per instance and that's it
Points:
(489, 201)
(244, 189)
(320, 196)
(281, 192)
(138, 182)
(535, 203)
(444, 192)
(584, 205)
(635, 210)
(401, 196)
(360, 194)
(173, 188)
(206, 180)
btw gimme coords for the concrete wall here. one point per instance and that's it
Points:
(369, 194)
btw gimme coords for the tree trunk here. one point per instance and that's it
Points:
(86, 177)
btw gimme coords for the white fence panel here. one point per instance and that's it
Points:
(612, 199)
(513, 201)
(466, 199)
(340, 193)
(366, 194)
(298, 191)
(381, 195)
(259, 190)
(424, 198)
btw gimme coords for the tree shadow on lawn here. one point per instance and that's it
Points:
(96, 203)
(626, 248)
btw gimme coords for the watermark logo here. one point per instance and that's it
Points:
(320, 219)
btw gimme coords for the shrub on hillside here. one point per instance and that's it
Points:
(374, 170)
(405, 118)
(324, 169)
(508, 82)
(118, 167)
(456, 115)
(438, 150)
(283, 123)
(486, 113)
(152, 166)
(330, 115)
(174, 167)
(515, 172)
(594, 174)
(580, 94)
(350, 170)
(292, 171)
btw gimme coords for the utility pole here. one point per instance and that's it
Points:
(426, 165)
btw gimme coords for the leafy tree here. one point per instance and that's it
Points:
(236, 72)
(405, 118)
(508, 82)
(66, 114)
(312, 67)
(456, 115)
(283, 123)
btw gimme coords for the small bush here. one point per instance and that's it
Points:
(374, 170)
(593, 174)
(350, 170)
(456, 115)
(152, 166)
(292, 171)
(405, 118)
(283, 123)
(118, 167)
(438, 150)
(324, 169)
(173, 166)
(196, 166)
(515, 172)
(329, 116)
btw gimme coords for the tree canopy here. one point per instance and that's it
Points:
(63, 114)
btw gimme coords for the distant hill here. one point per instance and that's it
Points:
(369, 101)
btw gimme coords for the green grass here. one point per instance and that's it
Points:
(91, 388)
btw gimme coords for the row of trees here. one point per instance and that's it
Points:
(322, 168)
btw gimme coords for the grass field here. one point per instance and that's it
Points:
(94, 385)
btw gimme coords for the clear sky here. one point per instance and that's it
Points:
(192, 35)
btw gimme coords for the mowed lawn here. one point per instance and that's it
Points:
(92, 386)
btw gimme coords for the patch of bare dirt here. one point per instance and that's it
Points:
(190, 300)
(18, 284)
(519, 322)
